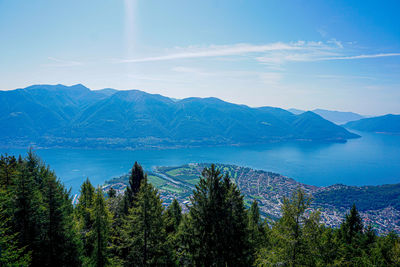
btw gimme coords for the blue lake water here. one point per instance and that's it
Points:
(370, 160)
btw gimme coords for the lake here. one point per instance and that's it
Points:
(370, 160)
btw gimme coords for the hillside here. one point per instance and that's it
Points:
(337, 117)
(383, 124)
(269, 189)
(75, 116)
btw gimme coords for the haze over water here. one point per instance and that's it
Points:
(371, 160)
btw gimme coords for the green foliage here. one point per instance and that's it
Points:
(144, 233)
(135, 180)
(112, 193)
(99, 232)
(173, 217)
(258, 230)
(215, 231)
(342, 196)
(8, 169)
(39, 226)
(84, 216)
(293, 235)
(11, 254)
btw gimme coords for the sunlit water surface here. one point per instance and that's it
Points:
(370, 160)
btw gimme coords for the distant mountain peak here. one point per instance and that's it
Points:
(389, 123)
(337, 117)
(57, 87)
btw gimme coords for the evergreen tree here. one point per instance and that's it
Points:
(352, 226)
(257, 229)
(112, 193)
(83, 213)
(173, 217)
(328, 246)
(11, 253)
(99, 232)
(216, 227)
(384, 251)
(351, 236)
(144, 230)
(27, 212)
(8, 169)
(135, 180)
(61, 243)
(41, 214)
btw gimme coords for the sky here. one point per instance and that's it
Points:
(338, 55)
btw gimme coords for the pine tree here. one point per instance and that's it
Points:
(83, 214)
(27, 212)
(11, 253)
(257, 229)
(216, 227)
(99, 232)
(8, 170)
(173, 217)
(144, 230)
(60, 238)
(351, 236)
(112, 193)
(42, 215)
(386, 251)
(135, 180)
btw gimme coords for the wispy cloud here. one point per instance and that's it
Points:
(273, 54)
(218, 51)
(56, 62)
(362, 56)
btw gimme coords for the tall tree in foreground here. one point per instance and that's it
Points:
(61, 244)
(135, 180)
(257, 229)
(173, 218)
(351, 236)
(84, 216)
(28, 211)
(144, 230)
(120, 206)
(11, 254)
(215, 231)
(100, 230)
(8, 170)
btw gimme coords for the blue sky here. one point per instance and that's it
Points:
(341, 55)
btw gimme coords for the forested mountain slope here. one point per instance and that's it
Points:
(383, 124)
(75, 116)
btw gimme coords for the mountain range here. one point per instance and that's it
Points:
(383, 124)
(75, 116)
(338, 117)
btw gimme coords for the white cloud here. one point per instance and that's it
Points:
(273, 54)
(362, 56)
(335, 42)
(219, 50)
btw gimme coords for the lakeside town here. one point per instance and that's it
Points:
(267, 188)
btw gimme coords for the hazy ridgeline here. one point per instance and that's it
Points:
(40, 226)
